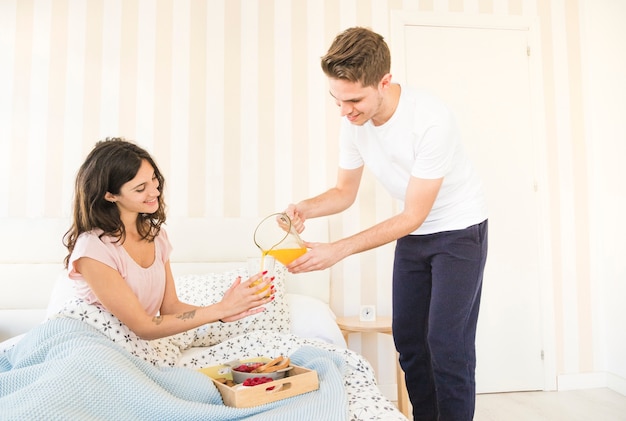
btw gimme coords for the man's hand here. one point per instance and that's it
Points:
(319, 257)
(297, 218)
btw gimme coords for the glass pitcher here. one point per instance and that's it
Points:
(276, 236)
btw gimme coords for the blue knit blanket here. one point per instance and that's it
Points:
(66, 370)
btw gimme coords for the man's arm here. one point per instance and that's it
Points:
(420, 197)
(332, 201)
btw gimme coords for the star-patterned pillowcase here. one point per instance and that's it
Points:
(209, 288)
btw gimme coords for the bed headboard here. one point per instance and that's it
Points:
(32, 253)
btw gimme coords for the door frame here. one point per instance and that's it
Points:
(402, 19)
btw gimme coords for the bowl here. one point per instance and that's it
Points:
(241, 376)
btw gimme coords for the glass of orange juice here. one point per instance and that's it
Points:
(261, 264)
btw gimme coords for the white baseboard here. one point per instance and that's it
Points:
(616, 383)
(591, 381)
(581, 381)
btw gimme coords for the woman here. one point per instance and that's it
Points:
(119, 252)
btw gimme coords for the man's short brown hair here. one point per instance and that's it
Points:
(358, 55)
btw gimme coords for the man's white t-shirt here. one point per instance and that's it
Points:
(422, 140)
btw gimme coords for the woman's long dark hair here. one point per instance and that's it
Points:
(112, 163)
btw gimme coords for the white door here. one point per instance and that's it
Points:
(483, 74)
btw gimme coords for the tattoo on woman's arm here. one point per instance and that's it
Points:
(187, 315)
(182, 316)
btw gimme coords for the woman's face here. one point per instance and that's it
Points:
(139, 195)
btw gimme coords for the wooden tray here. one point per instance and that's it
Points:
(299, 380)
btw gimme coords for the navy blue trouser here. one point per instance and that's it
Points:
(437, 281)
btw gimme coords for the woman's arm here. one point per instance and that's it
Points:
(172, 305)
(113, 292)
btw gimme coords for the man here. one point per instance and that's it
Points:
(410, 142)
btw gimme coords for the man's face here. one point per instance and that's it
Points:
(357, 103)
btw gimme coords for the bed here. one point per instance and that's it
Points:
(48, 339)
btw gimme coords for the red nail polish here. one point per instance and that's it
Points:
(264, 272)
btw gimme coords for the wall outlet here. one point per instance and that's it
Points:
(367, 313)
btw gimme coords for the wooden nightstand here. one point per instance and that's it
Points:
(380, 325)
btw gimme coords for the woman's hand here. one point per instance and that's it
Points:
(246, 298)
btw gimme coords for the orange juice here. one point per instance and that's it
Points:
(252, 269)
(286, 256)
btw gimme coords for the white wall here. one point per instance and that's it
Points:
(605, 87)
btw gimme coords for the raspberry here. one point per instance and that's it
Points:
(243, 368)
(248, 368)
(255, 381)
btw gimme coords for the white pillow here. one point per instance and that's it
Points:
(312, 318)
(62, 292)
(209, 288)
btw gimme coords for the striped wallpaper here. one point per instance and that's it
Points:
(229, 97)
